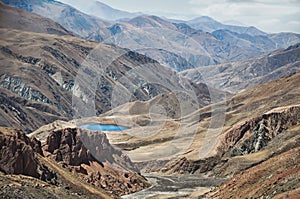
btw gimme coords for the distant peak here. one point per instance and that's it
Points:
(203, 19)
(206, 17)
(147, 17)
(102, 4)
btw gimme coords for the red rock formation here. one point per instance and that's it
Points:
(65, 146)
(18, 155)
(90, 154)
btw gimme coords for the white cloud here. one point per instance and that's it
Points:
(268, 15)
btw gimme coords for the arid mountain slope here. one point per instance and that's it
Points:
(238, 76)
(248, 143)
(258, 147)
(44, 76)
(203, 129)
(277, 177)
(157, 132)
(73, 20)
(257, 101)
(37, 72)
(48, 77)
(15, 18)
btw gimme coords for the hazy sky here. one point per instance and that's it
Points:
(268, 15)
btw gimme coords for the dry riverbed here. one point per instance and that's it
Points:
(176, 186)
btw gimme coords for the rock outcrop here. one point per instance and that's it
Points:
(64, 146)
(245, 144)
(254, 134)
(18, 155)
(90, 154)
(69, 158)
(17, 86)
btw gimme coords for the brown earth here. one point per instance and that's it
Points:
(277, 177)
(260, 154)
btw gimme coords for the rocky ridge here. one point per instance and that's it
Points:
(250, 137)
(68, 155)
(238, 76)
(90, 154)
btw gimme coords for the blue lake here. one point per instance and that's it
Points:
(103, 127)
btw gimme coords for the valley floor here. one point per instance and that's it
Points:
(176, 186)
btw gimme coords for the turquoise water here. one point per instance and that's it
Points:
(103, 127)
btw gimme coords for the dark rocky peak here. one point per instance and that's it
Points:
(293, 47)
(186, 29)
(115, 29)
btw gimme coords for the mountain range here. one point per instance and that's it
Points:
(208, 110)
(219, 43)
(208, 24)
(57, 60)
(237, 76)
